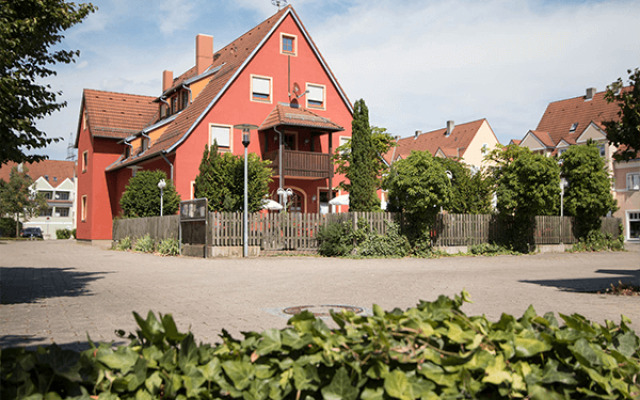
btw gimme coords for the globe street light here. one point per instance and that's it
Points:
(161, 185)
(246, 139)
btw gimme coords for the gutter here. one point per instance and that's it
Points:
(168, 162)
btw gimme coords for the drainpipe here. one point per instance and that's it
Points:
(280, 151)
(167, 103)
(148, 137)
(168, 162)
(187, 88)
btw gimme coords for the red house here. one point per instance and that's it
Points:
(272, 76)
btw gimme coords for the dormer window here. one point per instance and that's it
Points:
(145, 144)
(573, 127)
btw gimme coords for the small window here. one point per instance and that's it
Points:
(145, 144)
(342, 141)
(485, 148)
(261, 89)
(83, 208)
(633, 181)
(47, 195)
(85, 160)
(221, 135)
(46, 212)
(602, 149)
(184, 100)
(573, 127)
(62, 211)
(315, 96)
(289, 44)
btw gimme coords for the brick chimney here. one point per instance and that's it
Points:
(590, 93)
(450, 126)
(204, 53)
(167, 80)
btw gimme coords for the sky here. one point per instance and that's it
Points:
(416, 63)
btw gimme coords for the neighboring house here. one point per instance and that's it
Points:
(575, 121)
(273, 77)
(468, 142)
(56, 180)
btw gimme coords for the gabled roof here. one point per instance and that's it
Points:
(117, 115)
(228, 63)
(542, 137)
(453, 145)
(290, 116)
(559, 116)
(56, 171)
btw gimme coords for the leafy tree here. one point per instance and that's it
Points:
(588, 196)
(382, 142)
(418, 186)
(471, 193)
(221, 180)
(18, 197)
(625, 133)
(28, 29)
(362, 170)
(141, 197)
(527, 184)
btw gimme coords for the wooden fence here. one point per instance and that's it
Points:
(158, 228)
(297, 231)
(285, 231)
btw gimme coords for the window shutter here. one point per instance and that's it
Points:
(316, 93)
(261, 86)
(221, 134)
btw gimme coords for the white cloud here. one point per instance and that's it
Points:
(416, 63)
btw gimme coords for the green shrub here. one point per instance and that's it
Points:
(431, 351)
(335, 239)
(393, 244)
(8, 227)
(490, 249)
(63, 234)
(123, 244)
(169, 247)
(144, 244)
(597, 241)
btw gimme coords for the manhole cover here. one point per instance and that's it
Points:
(322, 310)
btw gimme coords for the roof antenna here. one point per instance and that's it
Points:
(279, 3)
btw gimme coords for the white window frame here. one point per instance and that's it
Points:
(83, 208)
(294, 51)
(85, 160)
(222, 147)
(59, 214)
(631, 176)
(257, 80)
(342, 140)
(629, 214)
(311, 96)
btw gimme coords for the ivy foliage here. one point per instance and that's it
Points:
(431, 351)
(221, 180)
(141, 197)
(471, 191)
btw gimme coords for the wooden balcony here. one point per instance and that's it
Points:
(301, 164)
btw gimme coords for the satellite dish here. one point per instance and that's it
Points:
(296, 88)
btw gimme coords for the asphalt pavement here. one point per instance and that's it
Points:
(64, 292)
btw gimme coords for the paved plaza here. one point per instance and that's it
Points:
(62, 291)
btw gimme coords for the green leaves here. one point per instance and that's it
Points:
(433, 351)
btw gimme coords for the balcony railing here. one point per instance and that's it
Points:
(305, 164)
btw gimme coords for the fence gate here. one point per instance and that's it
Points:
(194, 227)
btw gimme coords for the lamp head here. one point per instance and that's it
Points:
(162, 184)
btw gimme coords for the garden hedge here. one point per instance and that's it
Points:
(432, 351)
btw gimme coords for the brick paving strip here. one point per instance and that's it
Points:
(61, 290)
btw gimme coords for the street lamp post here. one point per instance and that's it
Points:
(161, 185)
(246, 139)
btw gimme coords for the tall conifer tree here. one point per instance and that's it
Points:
(362, 171)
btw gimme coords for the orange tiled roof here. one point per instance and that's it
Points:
(559, 117)
(287, 115)
(228, 60)
(57, 171)
(118, 115)
(453, 145)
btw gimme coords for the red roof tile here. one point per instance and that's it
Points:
(453, 145)
(118, 115)
(57, 171)
(287, 115)
(560, 116)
